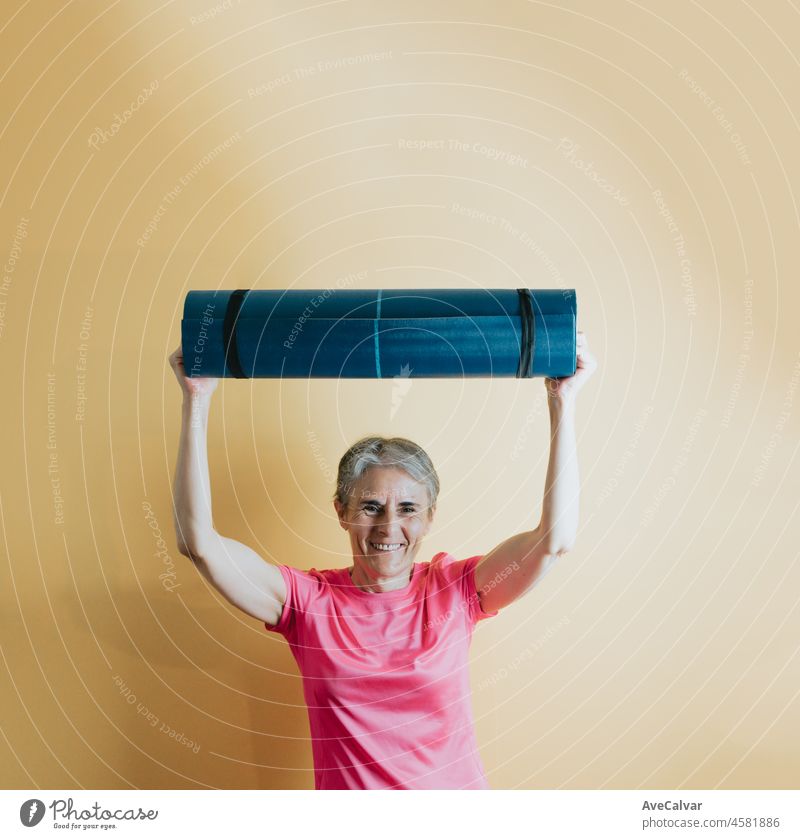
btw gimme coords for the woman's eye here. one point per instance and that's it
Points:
(373, 509)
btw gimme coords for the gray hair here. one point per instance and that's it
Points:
(396, 452)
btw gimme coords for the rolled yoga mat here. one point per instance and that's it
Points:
(379, 333)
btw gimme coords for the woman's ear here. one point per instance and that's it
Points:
(341, 510)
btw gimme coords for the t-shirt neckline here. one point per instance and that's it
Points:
(383, 595)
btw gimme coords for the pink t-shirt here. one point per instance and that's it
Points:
(386, 675)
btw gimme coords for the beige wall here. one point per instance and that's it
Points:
(663, 651)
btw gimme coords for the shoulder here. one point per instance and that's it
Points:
(306, 593)
(448, 572)
(445, 566)
(458, 576)
(305, 587)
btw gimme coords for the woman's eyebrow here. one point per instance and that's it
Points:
(378, 503)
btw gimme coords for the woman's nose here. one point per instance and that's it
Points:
(386, 521)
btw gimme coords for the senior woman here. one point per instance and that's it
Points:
(383, 644)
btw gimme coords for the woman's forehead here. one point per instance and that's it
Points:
(388, 484)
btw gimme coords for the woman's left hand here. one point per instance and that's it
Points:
(565, 388)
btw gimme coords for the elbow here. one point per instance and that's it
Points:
(561, 548)
(185, 550)
(556, 541)
(185, 544)
(189, 550)
(192, 543)
(183, 536)
(183, 547)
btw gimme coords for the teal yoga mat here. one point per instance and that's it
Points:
(379, 333)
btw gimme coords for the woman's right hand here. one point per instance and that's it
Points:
(191, 386)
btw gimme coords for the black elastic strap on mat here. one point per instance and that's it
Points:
(229, 332)
(528, 345)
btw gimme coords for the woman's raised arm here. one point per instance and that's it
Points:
(512, 568)
(236, 571)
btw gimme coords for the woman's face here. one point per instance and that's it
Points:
(387, 517)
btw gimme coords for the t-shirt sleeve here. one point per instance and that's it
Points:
(475, 608)
(464, 576)
(302, 590)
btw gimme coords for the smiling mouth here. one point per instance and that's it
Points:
(386, 547)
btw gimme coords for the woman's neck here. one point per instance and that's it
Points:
(380, 585)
